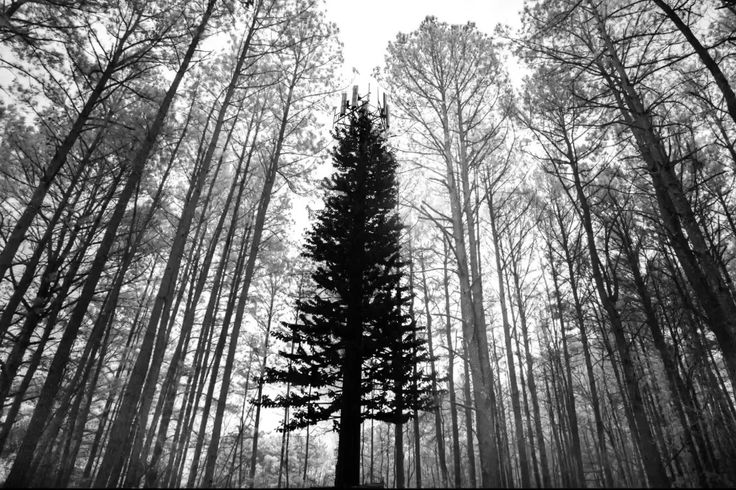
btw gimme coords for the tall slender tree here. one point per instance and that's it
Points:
(356, 332)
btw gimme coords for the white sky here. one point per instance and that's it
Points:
(366, 27)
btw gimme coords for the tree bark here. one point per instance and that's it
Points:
(468, 400)
(513, 386)
(256, 422)
(474, 330)
(433, 371)
(457, 469)
(545, 480)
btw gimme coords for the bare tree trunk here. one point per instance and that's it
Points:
(457, 469)
(468, 418)
(417, 443)
(284, 456)
(18, 476)
(580, 319)
(36, 311)
(201, 366)
(570, 392)
(513, 386)
(433, 371)
(171, 382)
(260, 219)
(553, 425)
(67, 202)
(104, 416)
(34, 315)
(685, 233)
(306, 454)
(256, 423)
(232, 301)
(641, 430)
(97, 342)
(674, 381)
(545, 480)
(143, 375)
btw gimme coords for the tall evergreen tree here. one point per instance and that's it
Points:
(356, 339)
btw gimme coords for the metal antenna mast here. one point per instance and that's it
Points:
(362, 103)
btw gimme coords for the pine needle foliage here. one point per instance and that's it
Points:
(360, 308)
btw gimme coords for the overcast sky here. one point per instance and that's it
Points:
(366, 27)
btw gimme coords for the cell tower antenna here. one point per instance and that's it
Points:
(362, 104)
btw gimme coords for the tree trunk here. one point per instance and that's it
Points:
(256, 423)
(399, 455)
(260, 219)
(513, 386)
(64, 204)
(306, 454)
(284, 456)
(18, 476)
(148, 365)
(468, 418)
(715, 71)
(675, 384)
(545, 480)
(17, 235)
(580, 319)
(641, 430)
(569, 393)
(474, 329)
(35, 311)
(686, 236)
(232, 301)
(457, 469)
(433, 371)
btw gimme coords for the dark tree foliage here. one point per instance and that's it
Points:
(360, 309)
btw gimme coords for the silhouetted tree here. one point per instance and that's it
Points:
(356, 339)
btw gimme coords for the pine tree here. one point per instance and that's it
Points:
(356, 338)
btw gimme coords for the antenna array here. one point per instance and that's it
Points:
(362, 103)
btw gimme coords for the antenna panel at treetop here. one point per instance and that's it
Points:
(362, 103)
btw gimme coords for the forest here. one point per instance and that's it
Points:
(508, 262)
